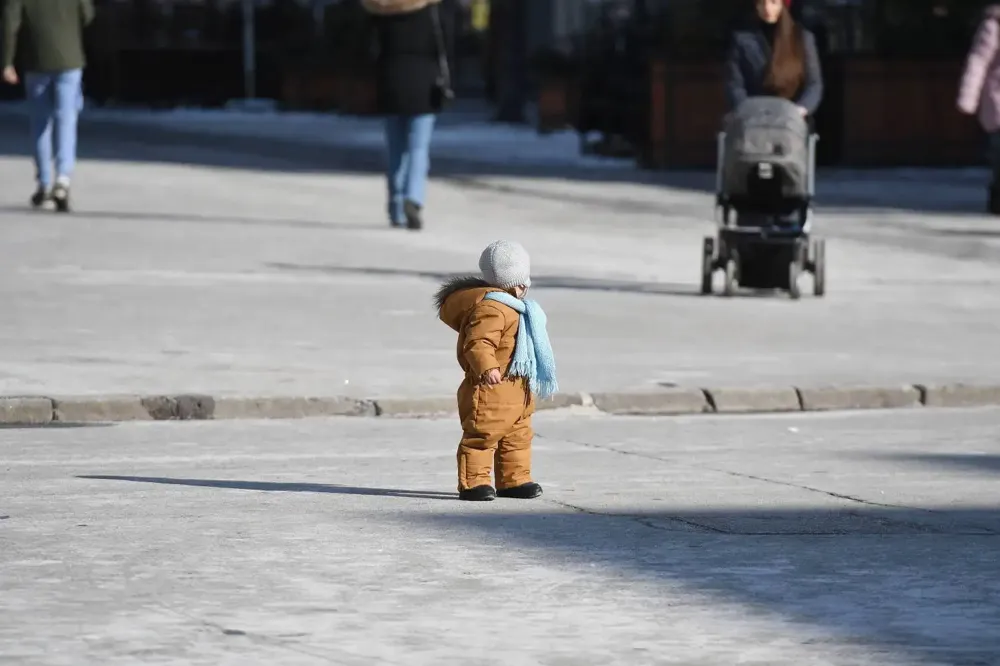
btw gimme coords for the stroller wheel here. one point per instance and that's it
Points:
(819, 268)
(794, 271)
(732, 278)
(707, 265)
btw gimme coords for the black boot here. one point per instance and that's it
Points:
(414, 219)
(527, 491)
(39, 198)
(478, 494)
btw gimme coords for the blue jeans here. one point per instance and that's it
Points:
(408, 139)
(54, 98)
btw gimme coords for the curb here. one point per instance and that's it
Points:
(754, 400)
(25, 411)
(959, 395)
(668, 402)
(42, 410)
(845, 398)
(289, 408)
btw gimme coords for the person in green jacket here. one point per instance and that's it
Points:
(52, 34)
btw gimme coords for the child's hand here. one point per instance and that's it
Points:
(493, 377)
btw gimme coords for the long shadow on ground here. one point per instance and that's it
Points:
(189, 218)
(981, 462)
(266, 486)
(541, 281)
(566, 282)
(917, 586)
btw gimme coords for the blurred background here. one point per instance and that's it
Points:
(637, 79)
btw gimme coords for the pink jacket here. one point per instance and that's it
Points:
(980, 87)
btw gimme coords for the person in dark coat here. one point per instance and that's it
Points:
(775, 56)
(413, 77)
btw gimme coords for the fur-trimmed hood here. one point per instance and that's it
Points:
(456, 284)
(458, 296)
(391, 7)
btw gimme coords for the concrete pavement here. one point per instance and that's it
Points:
(193, 267)
(202, 270)
(838, 539)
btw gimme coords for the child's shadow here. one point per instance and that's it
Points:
(280, 487)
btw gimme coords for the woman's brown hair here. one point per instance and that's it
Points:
(787, 69)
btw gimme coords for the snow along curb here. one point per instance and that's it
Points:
(40, 411)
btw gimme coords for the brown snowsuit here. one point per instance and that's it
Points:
(496, 420)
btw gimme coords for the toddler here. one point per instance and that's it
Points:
(504, 350)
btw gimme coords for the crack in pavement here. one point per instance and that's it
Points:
(741, 475)
(271, 640)
(985, 531)
(646, 522)
(710, 529)
(127, 568)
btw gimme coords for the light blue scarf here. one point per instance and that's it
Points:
(533, 358)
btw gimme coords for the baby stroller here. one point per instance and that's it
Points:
(765, 181)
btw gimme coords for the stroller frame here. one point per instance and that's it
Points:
(771, 255)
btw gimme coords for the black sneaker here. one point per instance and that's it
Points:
(478, 494)
(527, 491)
(39, 198)
(414, 219)
(60, 195)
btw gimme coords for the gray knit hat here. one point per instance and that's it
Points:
(505, 264)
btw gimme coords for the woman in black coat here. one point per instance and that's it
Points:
(413, 84)
(774, 56)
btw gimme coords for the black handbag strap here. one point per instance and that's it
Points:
(441, 48)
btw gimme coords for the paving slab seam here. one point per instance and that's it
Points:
(38, 410)
(967, 529)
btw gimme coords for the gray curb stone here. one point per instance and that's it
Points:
(416, 407)
(561, 401)
(25, 411)
(754, 400)
(665, 402)
(961, 395)
(179, 407)
(425, 407)
(290, 408)
(831, 398)
(99, 408)
(39, 410)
